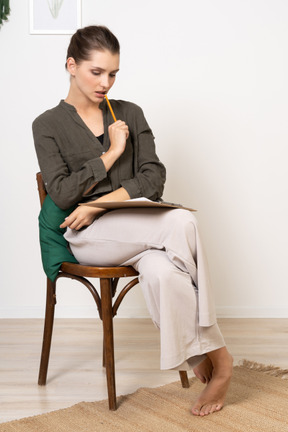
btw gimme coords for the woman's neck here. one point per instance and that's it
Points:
(81, 103)
(89, 112)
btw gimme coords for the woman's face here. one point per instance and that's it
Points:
(93, 78)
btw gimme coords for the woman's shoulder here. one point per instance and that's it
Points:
(126, 109)
(51, 115)
(126, 106)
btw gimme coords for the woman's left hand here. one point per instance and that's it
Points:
(81, 216)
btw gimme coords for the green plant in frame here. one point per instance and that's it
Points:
(55, 6)
(4, 10)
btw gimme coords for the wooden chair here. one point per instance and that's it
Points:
(109, 277)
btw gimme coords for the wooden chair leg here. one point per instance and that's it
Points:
(107, 318)
(103, 347)
(103, 351)
(184, 379)
(48, 329)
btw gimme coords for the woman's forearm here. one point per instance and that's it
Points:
(118, 195)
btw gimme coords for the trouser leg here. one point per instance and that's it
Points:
(120, 235)
(172, 303)
(171, 299)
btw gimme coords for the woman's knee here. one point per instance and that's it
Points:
(186, 216)
(182, 229)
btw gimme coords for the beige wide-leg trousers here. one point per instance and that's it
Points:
(165, 248)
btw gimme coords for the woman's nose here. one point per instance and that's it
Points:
(105, 82)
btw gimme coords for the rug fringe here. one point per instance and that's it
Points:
(267, 369)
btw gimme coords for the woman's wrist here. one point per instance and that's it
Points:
(109, 158)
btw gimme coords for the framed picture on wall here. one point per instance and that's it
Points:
(54, 16)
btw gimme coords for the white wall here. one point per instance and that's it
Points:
(211, 76)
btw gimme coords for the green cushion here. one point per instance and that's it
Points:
(54, 247)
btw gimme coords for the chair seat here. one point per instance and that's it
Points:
(98, 272)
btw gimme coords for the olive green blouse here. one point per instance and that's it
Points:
(69, 155)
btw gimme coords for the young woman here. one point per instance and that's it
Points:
(84, 155)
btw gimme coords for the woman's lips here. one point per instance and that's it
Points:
(100, 94)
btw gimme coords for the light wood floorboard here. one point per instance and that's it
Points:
(75, 370)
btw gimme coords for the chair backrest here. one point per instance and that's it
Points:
(41, 188)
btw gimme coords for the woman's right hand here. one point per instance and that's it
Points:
(118, 134)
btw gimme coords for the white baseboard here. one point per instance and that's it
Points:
(140, 312)
(250, 312)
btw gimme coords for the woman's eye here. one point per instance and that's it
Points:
(96, 73)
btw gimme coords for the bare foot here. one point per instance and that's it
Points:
(212, 397)
(204, 370)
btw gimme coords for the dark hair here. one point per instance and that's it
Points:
(91, 38)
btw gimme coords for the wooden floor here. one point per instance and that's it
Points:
(75, 370)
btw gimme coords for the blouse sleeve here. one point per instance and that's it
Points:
(150, 173)
(65, 187)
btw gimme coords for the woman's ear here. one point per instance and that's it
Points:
(71, 65)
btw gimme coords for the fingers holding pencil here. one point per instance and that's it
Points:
(118, 131)
(118, 134)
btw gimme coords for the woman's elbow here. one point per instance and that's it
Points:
(63, 200)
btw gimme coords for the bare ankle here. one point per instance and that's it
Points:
(221, 358)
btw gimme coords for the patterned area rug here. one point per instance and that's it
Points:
(257, 402)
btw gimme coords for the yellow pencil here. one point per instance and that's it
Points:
(111, 110)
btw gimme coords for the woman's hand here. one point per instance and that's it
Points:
(81, 216)
(118, 134)
(85, 215)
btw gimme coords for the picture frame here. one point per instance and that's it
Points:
(54, 16)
